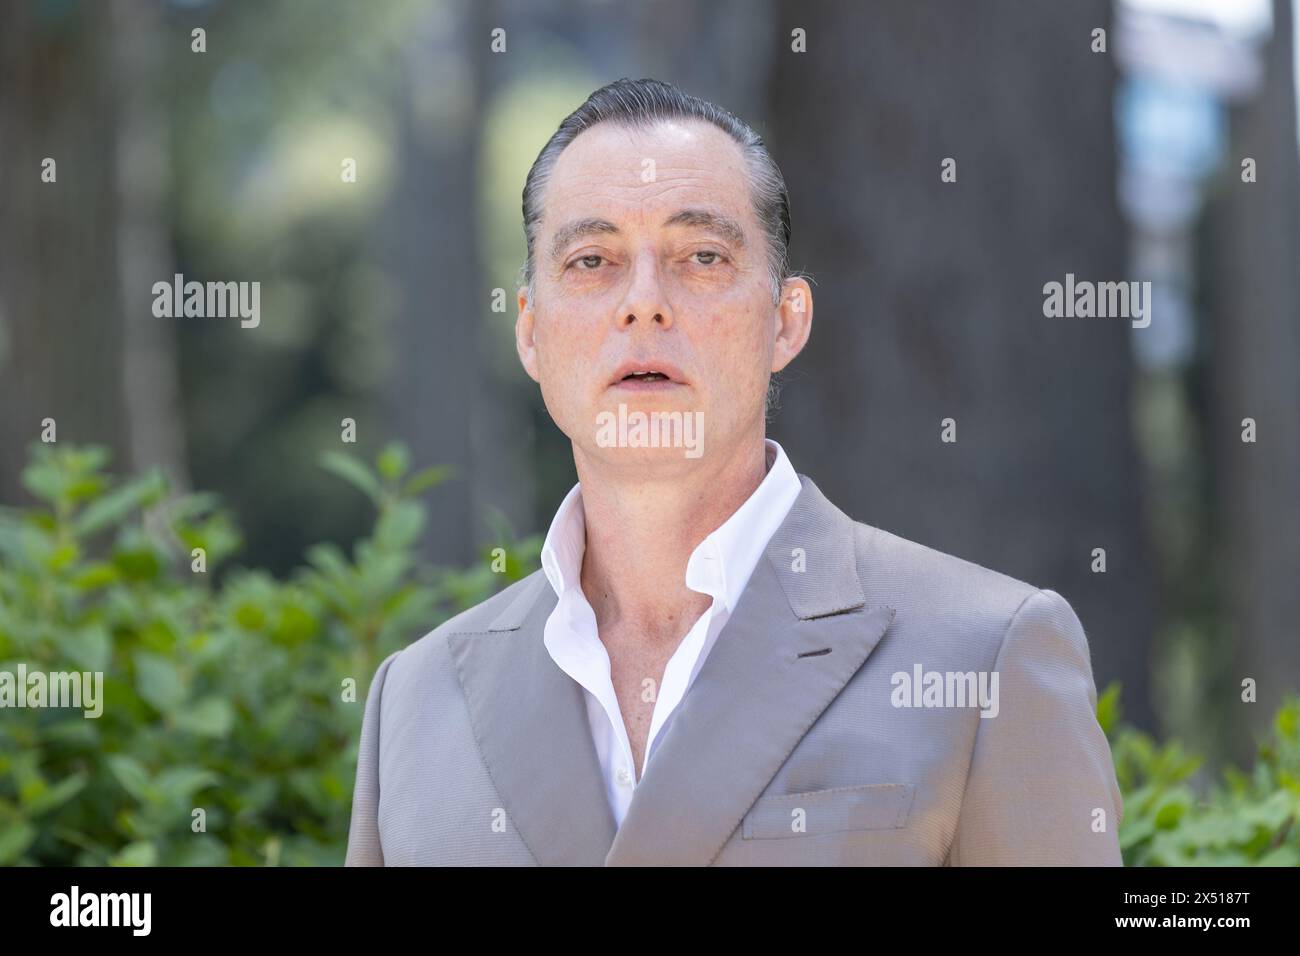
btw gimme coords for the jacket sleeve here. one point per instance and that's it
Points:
(1041, 789)
(364, 847)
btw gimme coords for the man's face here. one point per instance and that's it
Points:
(649, 258)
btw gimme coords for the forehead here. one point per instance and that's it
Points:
(622, 172)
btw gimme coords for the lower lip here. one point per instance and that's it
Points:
(641, 385)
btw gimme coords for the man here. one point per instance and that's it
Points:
(715, 665)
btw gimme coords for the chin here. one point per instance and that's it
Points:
(647, 463)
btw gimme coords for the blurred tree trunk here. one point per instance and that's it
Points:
(929, 295)
(445, 403)
(150, 373)
(78, 257)
(1254, 315)
(61, 334)
(734, 32)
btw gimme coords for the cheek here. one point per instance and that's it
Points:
(737, 370)
(566, 359)
(743, 347)
(559, 343)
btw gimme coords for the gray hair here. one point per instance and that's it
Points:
(638, 104)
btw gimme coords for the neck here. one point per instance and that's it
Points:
(641, 531)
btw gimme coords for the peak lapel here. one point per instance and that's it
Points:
(530, 721)
(755, 696)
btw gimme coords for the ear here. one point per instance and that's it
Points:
(525, 343)
(793, 319)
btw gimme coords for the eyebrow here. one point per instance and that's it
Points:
(725, 226)
(576, 230)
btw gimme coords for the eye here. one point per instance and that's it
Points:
(710, 257)
(588, 262)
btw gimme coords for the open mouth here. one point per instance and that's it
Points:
(651, 374)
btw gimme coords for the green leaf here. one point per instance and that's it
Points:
(140, 853)
(94, 576)
(179, 784)
(1287, 722)
(250, 616)
(426, 478)
(83, 489)
(117, 504)
(15, 838)
(400, 524)
(137, 563)
(354, 471)
(210, 717)
(1108, 712)
(61, 557)
(158, 682)
(89, 648)
(133, 777)
(393, 461)
(57, 795)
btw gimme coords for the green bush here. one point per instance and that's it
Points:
(225, 692)
(1169, 820)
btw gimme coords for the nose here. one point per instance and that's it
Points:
(646, 302)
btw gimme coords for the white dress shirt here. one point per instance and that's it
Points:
(719, 567)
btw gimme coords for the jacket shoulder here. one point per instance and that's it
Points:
(501, 610)
(919, 579)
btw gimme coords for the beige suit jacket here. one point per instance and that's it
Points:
(806, 738)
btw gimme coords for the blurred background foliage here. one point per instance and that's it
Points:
(389, 300)
(1174, 816)
(240, 694)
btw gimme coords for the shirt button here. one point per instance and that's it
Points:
(624, 776)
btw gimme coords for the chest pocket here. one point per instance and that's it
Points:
(873, 806)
